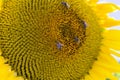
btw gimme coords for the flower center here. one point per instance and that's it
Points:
(49, 40)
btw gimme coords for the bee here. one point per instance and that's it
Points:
(65, 4)
(85, 24)
(76, 39)
(59, 45)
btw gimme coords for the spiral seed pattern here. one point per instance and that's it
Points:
(46, 40)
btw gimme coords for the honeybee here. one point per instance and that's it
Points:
(66, 4)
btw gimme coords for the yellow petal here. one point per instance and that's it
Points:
(92, 1)
(111, 39)
(105, 56)
(108, 22)
(112, 44)
(5, 71)
(106, 61)
(103, 68)
(94, 75)
(108, 66)
(105, 8)
(104, 74)
(102, 10)
(115, 52)
(113, 35)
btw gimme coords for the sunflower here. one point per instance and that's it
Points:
(58, 40)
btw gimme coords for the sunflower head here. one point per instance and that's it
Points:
(51, 39)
